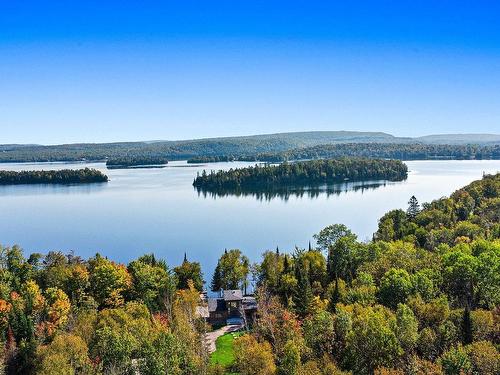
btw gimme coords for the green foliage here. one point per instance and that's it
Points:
(64, 176)
(407, 328)
(136, 160)
(253, 357)
(456, 361)
(372, 342)
(290, 362)
(231, 271)
(395, 287)
(108, 281)
(319, 333)
(189, 271)
(151, 282)
(329, 236)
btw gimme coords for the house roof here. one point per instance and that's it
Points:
(233, 295)
(216, 304)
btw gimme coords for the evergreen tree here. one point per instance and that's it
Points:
(216, 279)
(335, 298)
(466, 326)
(303, 295)
(413, 208)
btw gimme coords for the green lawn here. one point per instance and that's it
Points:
(224, 353)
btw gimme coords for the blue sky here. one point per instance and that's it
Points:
(96, 71)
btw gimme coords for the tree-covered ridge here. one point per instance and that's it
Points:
(468, 214)
(245, 147)
(185, 149)
(211, 159)
(303, 173)
(391, 306)
(136, 160)
(400, 151)
(64, 176)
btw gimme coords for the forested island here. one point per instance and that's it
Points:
(421, 298)
(211, 159)
(64, 176)
(134, 161)
(305, 173)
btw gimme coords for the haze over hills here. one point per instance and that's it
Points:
(309, 138)
(460, 139)
(241, 145)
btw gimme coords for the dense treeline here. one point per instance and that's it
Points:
(65, 315)
(181, 150)
(136, 161)
(421, 298)
(303, 173)
(400, 304)
(210, 159)
(389, 151)
(64, 176)
(241, 148)
(400, 151)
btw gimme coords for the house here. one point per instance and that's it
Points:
(229, 307)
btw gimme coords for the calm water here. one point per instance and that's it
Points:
(157, 210)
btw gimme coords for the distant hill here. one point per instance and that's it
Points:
(237, 146)
(461, 139)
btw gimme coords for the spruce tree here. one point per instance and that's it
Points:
(466, 326)
(413, 208)
(303, 294)
(216, 279)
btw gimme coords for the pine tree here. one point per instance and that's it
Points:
(413, 208)
(335, 298)
(216, 279)
(303, 295)
(466, 326)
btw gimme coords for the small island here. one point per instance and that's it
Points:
(59, 177)
(304, 173)
(137, 161)
(210, 159)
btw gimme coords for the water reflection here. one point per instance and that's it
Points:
(50, 189)
(286, 193)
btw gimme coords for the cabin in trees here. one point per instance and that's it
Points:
(229, 307)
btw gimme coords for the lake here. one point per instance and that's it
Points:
(158, 210)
